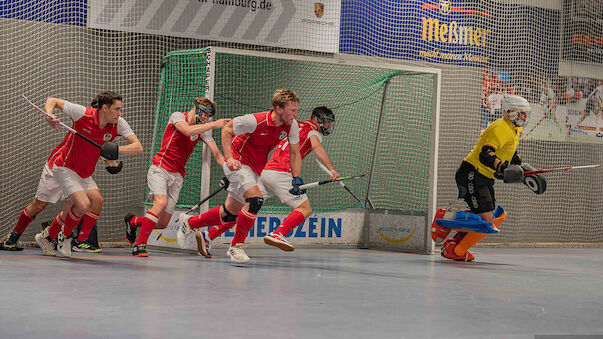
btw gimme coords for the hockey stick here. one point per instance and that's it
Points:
(61, 123)
(318, 183)
(560, 169)
(326, 170)
(223, 185)
(535, 126)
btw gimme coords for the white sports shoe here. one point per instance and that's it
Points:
(237, 254)
(45, 244)
(64, 245)
(184, 229)
(203, 243)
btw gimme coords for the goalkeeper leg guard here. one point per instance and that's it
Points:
(438, 232)
(449, 253)
(473, 238)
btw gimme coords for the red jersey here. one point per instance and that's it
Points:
(256, 135)
(55, 152)
(280, 158)
(78, 154)
(176, 148)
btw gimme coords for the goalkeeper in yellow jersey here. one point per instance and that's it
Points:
(494, 156)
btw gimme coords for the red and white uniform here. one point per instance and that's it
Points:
(78, 154)
(280, 158)
(276, 177)
(48, 188)
(166, 174)
(176, 148)
(255, 137)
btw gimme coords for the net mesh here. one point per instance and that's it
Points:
(550, 52)
(396, 122)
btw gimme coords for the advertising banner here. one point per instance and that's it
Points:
(280, 23)
(398, 232)
(333, 228)
(582, 31)
(442, 31)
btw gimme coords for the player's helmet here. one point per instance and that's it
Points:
(512, 105)
(325, 119)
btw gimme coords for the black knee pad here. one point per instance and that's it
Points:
(255, 203)
(229, 216)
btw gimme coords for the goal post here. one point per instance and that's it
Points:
(387, 121)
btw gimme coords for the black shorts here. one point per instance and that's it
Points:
(475, 188)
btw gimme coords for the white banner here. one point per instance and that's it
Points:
(280, 23)
(398, 232)
(334, 228)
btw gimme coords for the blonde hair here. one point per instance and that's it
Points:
(282, 96)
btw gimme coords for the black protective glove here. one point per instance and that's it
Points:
(110, 151)
(535, 182)
(296, 182)
(115, 169)
(510, 174)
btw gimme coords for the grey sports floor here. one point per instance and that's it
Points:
(309, 293)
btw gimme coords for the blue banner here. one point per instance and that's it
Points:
(70, 12)
(441, 32)
(459, 32)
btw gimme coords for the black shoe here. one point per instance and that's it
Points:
(84, 246)
(46, 223)
(130, 231)
(140, 250)
(10, 244)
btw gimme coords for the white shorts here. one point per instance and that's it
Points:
(276, 183)
(240, 181)
(166, 183)
(70, 182)
(48, 188)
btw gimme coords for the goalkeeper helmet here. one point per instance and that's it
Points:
(516, 109)
(325, 119)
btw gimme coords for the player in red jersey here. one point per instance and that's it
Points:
(166, 175)
(277, 173)
(49, 191)
(247, 141)
(76, 160)
(276, 178)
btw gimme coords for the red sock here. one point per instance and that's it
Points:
(136, 221)
(56, 227)
(292, 221)
(88, 221)
(24, 220)
(209, 218)
(216, 231)
(71, 223)
(244, 223)
(148, 224)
